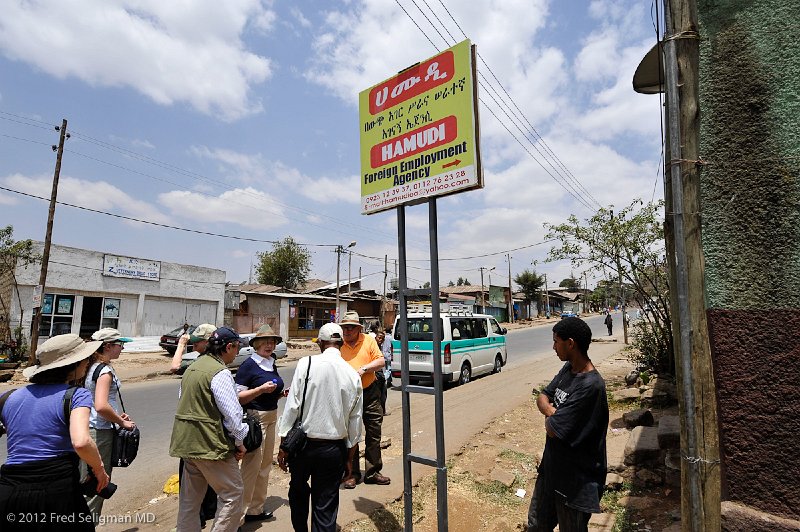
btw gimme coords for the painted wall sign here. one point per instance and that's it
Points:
(419, 133)
(131, 268)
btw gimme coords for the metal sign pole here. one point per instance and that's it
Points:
(401, 331)
(441, 467)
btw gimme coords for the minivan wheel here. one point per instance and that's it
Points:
(465, 374)
(498, 364)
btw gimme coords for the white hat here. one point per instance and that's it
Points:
(328, 332)
(202, 332)
(60, 351)
(110, 335)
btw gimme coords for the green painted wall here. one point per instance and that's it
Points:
(750, 136)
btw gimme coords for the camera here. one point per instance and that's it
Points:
(89, 488)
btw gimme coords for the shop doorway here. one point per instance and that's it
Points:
(90, 316)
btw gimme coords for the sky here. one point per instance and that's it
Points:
(240, 118)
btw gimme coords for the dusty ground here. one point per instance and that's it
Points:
(484, 476)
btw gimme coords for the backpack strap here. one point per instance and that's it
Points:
(96, 375)
(97, 370)
(3, 400)
(68, 402)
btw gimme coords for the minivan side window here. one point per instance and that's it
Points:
(478, 327)
(420, 329)
(495, 327)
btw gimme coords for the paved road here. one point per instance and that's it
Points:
(530, 362)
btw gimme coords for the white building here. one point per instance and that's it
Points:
(87, 290)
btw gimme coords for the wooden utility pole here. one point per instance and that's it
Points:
(619, 274)
(700, 464)
(51, 213)
(510, 296)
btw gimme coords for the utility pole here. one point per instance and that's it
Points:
(51, 213)
(385, 300)
(547, 298)
(510, 296)
(339, 251)
(700, 456)
(483, 301)
(349, 265)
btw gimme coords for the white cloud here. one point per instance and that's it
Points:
(301, 19)
(275, 175)
(247, 207)
(171, 52)
(7, 199)
(97, 195)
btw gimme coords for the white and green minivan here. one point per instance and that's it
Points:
(472, 344)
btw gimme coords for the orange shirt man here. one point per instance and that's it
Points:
(364, 355)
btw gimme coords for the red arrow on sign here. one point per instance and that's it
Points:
(454, 163)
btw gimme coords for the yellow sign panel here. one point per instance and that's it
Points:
(419, 133)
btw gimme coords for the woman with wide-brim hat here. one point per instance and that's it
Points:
(46, 439)
(259, 387)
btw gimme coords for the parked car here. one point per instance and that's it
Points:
(169, 341)
(569, 314)
(244, 353)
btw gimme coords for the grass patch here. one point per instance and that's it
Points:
(527, 460)
(610, 504)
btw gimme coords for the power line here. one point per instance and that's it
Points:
(157, 224)
(564, 182)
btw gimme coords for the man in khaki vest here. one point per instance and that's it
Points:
(208, 433)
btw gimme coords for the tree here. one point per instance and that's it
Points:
(287, 265)
(12, 254)
(451, 283)
(460, 281)
(530, 284)
(466, 282)
(632, 238)
(427, 284)
(570, 283)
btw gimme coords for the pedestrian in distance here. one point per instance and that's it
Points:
(207, 434)
(259, 387)
(199, 339)
(47, 431)
(609, 322)
(572, 471)
(329, 393)
(363, 354)
(384, 376)
(103, 383)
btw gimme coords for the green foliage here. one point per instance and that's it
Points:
(570, 283)
(651, 348)
(628, 247)
(530, 284)
(12, 254)
(451, 283)
(287, 265)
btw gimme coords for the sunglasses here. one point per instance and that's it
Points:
(348, 327)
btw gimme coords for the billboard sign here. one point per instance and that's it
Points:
(131, 268)
(419, 133)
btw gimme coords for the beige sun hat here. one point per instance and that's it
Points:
(202, 332)
(351, 318)
(265, 331)
(60, 351)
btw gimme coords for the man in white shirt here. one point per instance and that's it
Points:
(331, 401)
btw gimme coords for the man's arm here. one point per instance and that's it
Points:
(177, 357)
(544, 405)
(224, 391)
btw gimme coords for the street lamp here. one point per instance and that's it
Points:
(483, 297)
(339, 250)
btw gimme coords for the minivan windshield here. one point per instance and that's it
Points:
(420, 329)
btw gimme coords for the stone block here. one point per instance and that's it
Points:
(614, 481)
(642, 446)
(669, 432)
(641, 417)
(506, 478)
(626, 395)
(740, 518)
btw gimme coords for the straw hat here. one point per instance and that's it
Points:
(351, 318)
(60, 351)
(265, 331)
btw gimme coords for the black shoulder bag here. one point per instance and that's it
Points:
(126, 442)
(295, 440)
